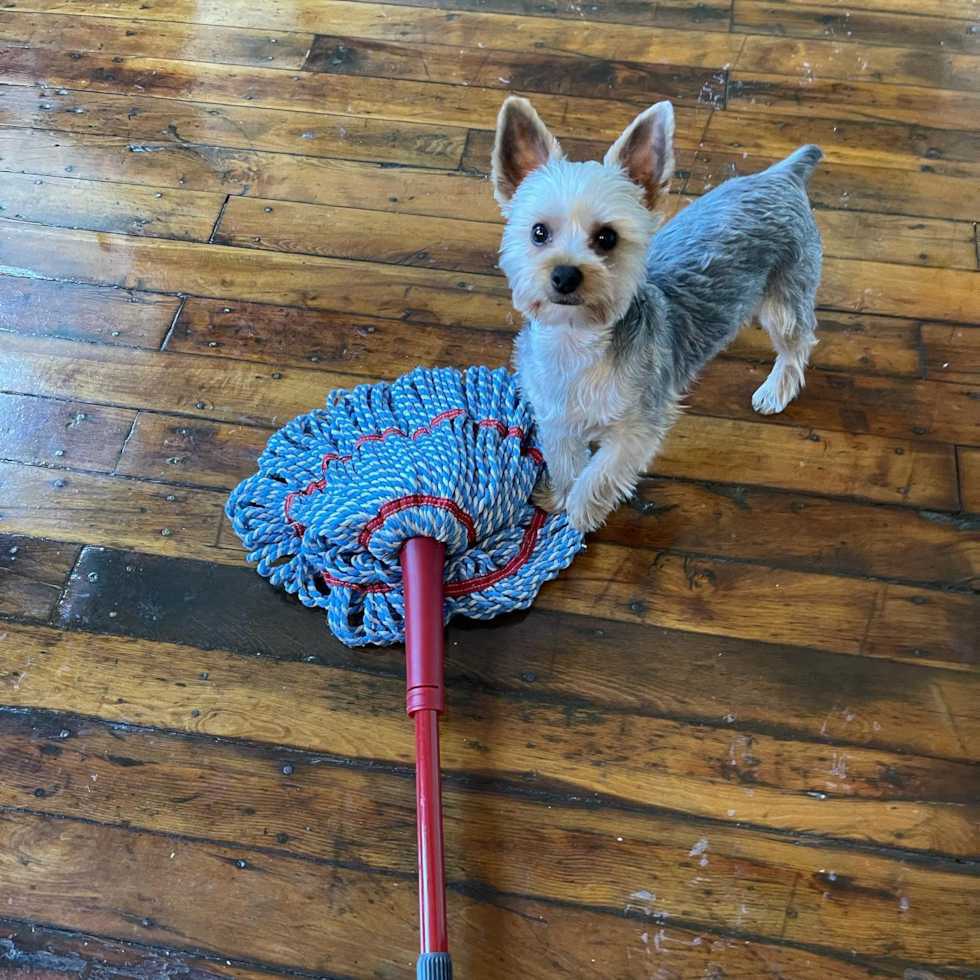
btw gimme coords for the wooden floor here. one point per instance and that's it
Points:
(739, 738)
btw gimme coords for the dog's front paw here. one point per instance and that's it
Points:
(585, 512)
(549, 497)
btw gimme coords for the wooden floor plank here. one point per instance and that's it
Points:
(896, 65)
(59, 309)
(47, 954)
(546, 73)
(62, 433)
(427, 295)
(969, 469)
(217, 44)
(713, 15)
(312, 99)
(313, 179)
(894, 238)
(383, 21)
(157, 120)
(851, 25)
(894, 407)
(905, 471)
(812, 95)
(951, 353)
(32, 574)
(784, 691)
(82, 507)
(101, 206)
(878, 287)
(851, 142)
(772, 605)
(373, 236)
(842, 186)
(314, 817)
(246, 697)
(151, 902)
(848, 342)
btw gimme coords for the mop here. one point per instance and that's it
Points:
(396, 508)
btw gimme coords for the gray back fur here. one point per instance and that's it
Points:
(710, 267)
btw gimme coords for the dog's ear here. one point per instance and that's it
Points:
(646, 152)
(522, 144)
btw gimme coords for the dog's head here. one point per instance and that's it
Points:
(574, 248)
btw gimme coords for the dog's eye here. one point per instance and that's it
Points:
(540, 234)
(606, 238)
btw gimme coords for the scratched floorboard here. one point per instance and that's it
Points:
(739, 739)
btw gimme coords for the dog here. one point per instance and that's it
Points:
(619, 321)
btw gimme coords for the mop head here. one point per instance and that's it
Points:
(437, 453)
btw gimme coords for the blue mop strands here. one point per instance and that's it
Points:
(437, 453)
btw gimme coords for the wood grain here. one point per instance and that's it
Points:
(894, 238)
(352, 233)
(82, 507)
(856, 100)
(421, 25)
(32, 574)
(101, 206)
(894, 407)
(969, 470)
(218, 44)
(314, 817)
(851, 141)
(878, 287)
(896, 470)
(329, 932)
(160, 120)
(910, 27)
(547, 73)
(362, 102)
(463, 299)
(925, 193)
(249, 695)
(299, 177)
(784, 691)
(286, 335)
(110, 316)
(848, 342)
(897, 64)
(61, 433)
(952, 353)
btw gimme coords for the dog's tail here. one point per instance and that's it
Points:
(802, 162)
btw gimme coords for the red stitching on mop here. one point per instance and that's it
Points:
(416, 500)
(480, 582)
(376, 437)
(450, 413)
(300, 529)
(471, 585)
(329, 458)
(354, 586)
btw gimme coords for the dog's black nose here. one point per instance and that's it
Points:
(566, 279)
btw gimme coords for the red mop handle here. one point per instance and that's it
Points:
(423, 563)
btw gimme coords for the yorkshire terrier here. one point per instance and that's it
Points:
(619, 320)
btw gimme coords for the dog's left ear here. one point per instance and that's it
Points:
(646, 152)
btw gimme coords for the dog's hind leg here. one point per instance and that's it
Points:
(786, 311)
